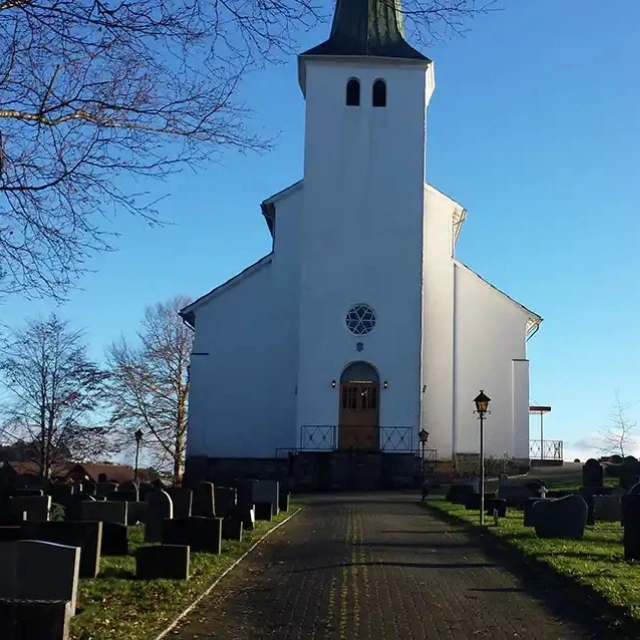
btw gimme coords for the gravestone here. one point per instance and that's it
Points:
(514, 494)
(560, 517)
(105, 489)
(631, 520)
(182, 501)
(124, 496)
(472, 501)
(10, 533)
(232, 529)
(245, 515)
(267, 491)
(197, 532)
(169, 562)
(497, 505)
(34, 570)
(26, 493)
(34, 619)
(137, 512)
(10, 517)
(61, 493)
(115, 539)
(592, 474)
(107, 511)
(528, 507)
(159, 509)
(629, 472)
(36, 507)
(264, 511)
(203, 500)
(457, 493)
(607, 508)
(131, 487)
(88, 536)
(283, 500)
(226, 499)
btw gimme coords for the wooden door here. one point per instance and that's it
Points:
(358, 428)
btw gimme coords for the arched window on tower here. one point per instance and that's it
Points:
(379, 93)
(353, 93)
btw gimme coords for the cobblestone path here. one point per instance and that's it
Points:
(379, 567)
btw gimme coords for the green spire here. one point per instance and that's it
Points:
(367, 28)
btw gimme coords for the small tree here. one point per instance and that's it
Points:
(149, 384)
(54, 390)
(619, 436)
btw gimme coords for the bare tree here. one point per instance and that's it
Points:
(619, 436)
(149, 385)
(54, 391)
(94, 91)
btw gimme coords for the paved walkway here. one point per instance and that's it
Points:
(360, 567)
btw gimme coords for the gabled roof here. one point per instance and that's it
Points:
(119, 473)
(459, 212)
(188, 313)
(533, 321)
(268, 206)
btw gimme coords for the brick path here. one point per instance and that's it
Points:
(379, 567)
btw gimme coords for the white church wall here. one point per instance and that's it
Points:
(231, 412)
(520, 370)
(490, 335)
(361, 237)
(438, 323)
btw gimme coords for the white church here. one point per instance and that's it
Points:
(361, 327)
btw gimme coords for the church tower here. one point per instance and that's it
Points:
(361, 241)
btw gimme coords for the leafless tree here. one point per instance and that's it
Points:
(97, 96)
(149, 384)
(619, 436)
(54, 392)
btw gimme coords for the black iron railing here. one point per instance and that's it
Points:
(546, 449)
(326, 437)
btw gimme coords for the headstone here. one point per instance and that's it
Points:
(514, 494)
(267, 491)
(498, 506)
(10, 517)
(226, 499)
(592, 474)
(560, 518)
(472, 501)
(528, 509)
(124, 496)
(10, 534)
(88, 536)
(105, 489)
(130, 487)
(37, 507)
(631, 519)
(247, 516)
(264, 511)
(457, 493)
(182, 501)
(232, 529)
(629, 472)
(203, 500)
(145, 488)
(283, 499)
(170, 562)
(137, 512)
(34, 570)
(107, 511)
(197, 532)
(35, 619)
(115, 539)
(159, 509)
(607, 508)
(61, 493)
(26, 493)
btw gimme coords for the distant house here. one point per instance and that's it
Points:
(27, 473)
(88, 472)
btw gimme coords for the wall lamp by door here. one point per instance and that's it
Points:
(385, 384)
(333, 384)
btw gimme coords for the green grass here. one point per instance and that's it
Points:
(117, 606)
(595, 563)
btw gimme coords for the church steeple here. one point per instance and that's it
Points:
(367, 28)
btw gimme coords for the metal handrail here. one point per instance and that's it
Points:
(325, 437)
(546, 449)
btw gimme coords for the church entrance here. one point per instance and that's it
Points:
(359, 408)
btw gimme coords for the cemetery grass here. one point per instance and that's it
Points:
(594, 565)
(117, 606)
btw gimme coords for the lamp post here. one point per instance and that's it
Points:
(482, 401)
(138, 436)
(423, 436)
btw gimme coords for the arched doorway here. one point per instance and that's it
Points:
(359, 408)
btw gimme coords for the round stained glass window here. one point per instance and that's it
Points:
(360, 319)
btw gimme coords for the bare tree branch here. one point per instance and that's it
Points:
(94, 91)
(54, 390)
(149, 384)
(619, 436)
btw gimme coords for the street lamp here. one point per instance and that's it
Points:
(423, 436)
(482, 401)
(138, 436)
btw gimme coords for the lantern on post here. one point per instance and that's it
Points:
(482, 401)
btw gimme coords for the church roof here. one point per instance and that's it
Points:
(367, 28)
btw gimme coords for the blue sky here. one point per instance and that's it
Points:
(534, 127)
